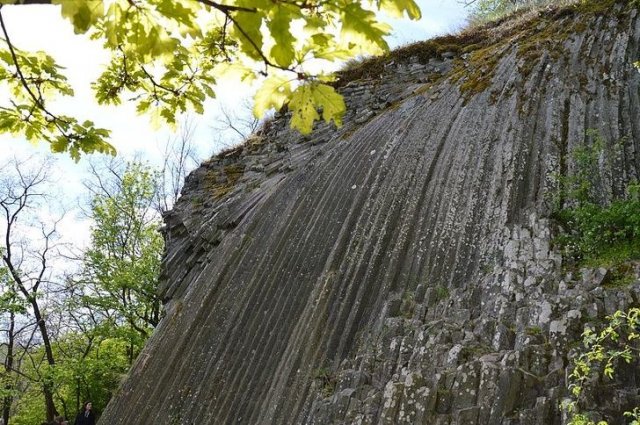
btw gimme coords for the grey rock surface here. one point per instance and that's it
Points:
(400, 269)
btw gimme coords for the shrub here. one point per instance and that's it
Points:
(596, 231)
(603, 351)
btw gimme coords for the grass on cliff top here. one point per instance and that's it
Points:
(475, 37)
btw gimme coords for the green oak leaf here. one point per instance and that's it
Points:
(397, 8)
(181, 13)
(332, 103)
(82, 13)
(303, 109)
(283, 51)
(248, 24)
(274, 91)
(306, 100)
(361, 26)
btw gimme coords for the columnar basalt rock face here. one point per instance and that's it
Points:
(400, 269)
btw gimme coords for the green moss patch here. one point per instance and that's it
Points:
(221, 181)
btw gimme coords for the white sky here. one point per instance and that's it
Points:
(41, 28)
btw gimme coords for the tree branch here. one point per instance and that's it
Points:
(258, 50)
(225, 8)
(28, 2)
(38, 101)
(175, 92)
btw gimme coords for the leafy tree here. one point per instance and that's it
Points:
(11, 308)
(168, 55)
(491, 10)
(82, 372)
(27, 272)
(121, 268)
(64, 339)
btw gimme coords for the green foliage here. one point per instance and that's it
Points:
(122, 265)
(97, 319)
(32, 79)
(88, 369)
(533, 330)
(617, 342)
(491, 10)
(603, 234)
(93, 374)
(304, 100)
(167, 57)
(597, 233)
(485, 11)
(83, 14)
(29, 408)
(580, 186)
(10, 301)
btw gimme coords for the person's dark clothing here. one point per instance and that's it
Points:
(86, 418)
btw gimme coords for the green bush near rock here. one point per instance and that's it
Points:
(604, 351)
(603, 234)
(599, 232)
(596, 232)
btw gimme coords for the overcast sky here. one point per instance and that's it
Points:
(40, 27)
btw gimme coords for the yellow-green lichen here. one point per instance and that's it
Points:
(221, 181)
(479, 70)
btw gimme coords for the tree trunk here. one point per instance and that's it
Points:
(47, 390)
(8, 367)
(47, 386)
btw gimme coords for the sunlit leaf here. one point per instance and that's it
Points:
(361, 26)
(167, 57)
(397, 8)
(272, 94)
(247, 30)
(306, 100)
(82, 13)
(283, 50)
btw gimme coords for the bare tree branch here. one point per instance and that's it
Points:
(179, 158)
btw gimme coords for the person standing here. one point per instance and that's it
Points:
(86, 415)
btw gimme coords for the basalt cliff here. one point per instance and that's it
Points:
(402, 269)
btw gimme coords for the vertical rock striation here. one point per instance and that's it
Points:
(399, 269)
